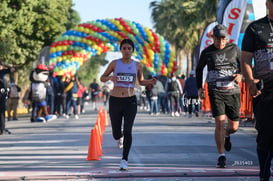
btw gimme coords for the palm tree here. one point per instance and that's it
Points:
(181, 22)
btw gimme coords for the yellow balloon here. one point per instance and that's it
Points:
(95, 47)
(143, 61)
(81, 29)
(58, 48)
(59, 59)
(165, 71)
(151, 55)
(120, 27)
(170, 64)
(52, 50)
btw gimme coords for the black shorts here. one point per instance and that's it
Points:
(79, 101)
(228, 105)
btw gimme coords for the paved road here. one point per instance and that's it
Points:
(164, 148)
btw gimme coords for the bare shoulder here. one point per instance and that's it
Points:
(113, 63)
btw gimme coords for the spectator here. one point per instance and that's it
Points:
(13, 100)
(143, 98)
(106, 93)
(59, 95)
(85, 97)
(81, 91)
(27, 100)
(191, 93)
(50, 94)
(3, 96)
(182, 104)
(161, 97)
(94, 89)
(71, 97)
(154, 98)
(174, 90)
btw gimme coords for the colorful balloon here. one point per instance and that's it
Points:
(69, 51)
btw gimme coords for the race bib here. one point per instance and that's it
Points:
(225, 84)
(125, 78)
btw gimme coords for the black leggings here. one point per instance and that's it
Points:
(120, 108)
(263, 108)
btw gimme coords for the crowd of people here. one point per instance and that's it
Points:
(174, 95)
(49, 97)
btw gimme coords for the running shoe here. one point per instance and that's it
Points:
(228, 144)
(177, 114)
(123, 165)
(120, 143)
(196, 113)
(50, 117)
(40, 119)
(172, 114)
(221, 162)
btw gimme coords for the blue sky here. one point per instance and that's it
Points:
(133, 10)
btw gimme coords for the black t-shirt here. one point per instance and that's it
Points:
(258, 39)
(94, 88)
(221, 64)
(3, 72)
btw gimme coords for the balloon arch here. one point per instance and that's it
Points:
(74, 47)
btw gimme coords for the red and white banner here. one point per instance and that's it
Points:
(207, 38)
(233, 18)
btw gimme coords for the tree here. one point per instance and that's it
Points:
(91, 67)
(181, 22)
(28, 25)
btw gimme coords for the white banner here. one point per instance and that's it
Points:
(207, 39)
(233, 18)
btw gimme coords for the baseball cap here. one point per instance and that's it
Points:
(42, 67)
(220, 31)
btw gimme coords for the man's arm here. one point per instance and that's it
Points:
(237, 76)
(246, 68)
(199, 73)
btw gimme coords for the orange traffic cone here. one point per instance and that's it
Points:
(93, 150)
(106, 118)
(102, 120)
(99, 142)
(101, 114)
(98, 123)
